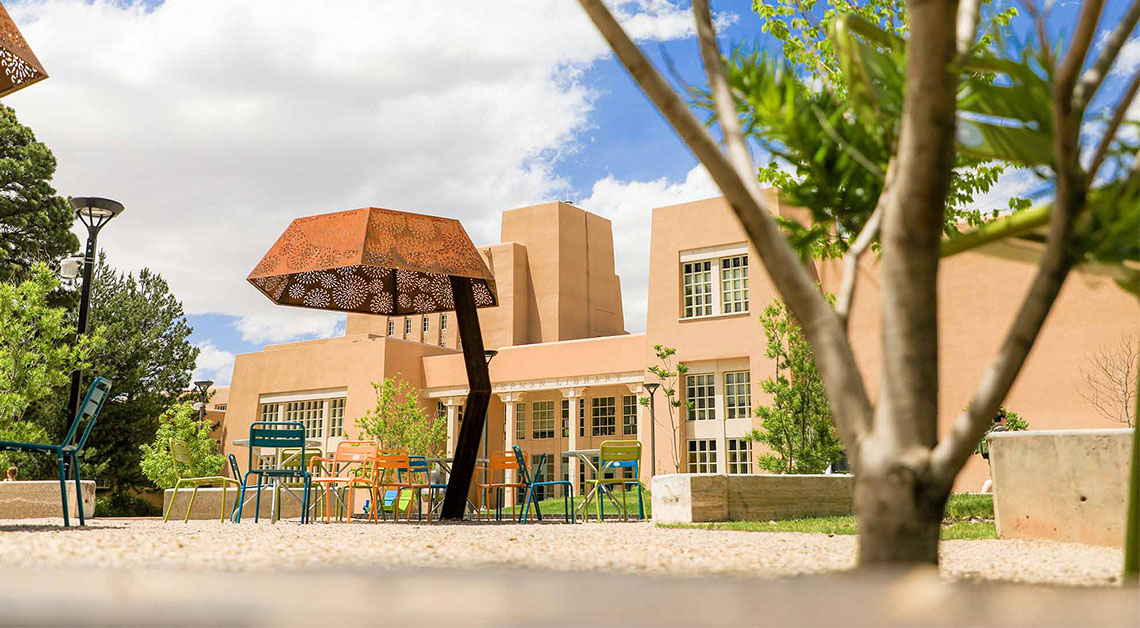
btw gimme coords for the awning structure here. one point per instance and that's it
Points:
(20, 66)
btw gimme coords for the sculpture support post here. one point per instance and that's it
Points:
(478, 397)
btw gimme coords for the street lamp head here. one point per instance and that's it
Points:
(651, 387)
(203, 385)
(94, 211)
(490, 355)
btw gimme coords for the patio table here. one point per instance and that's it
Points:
(272, 455)
(445, 465)
(588, 456)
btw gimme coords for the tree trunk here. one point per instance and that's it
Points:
(899, 508)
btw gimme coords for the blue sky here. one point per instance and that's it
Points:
(216, 122)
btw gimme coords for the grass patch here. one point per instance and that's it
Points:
(555, 508)
(967, 516)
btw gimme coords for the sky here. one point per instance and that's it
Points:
(216, 122)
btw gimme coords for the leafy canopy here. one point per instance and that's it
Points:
(797, 427)
(181, 423)
(399, 422)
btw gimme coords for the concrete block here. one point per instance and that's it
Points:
(1062, 485)
(39, 499)
(691, 498)
(209, 500)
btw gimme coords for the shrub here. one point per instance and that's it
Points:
(180, 423)
(399, 422)
(125, 505)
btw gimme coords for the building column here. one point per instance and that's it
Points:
(509, 404)
(575, 396)
(642, 433)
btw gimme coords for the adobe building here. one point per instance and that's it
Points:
(568, 375)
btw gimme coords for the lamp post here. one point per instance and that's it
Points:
(652, 388)
(204, 396)
(94, 213)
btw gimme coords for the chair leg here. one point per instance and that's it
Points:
(166, 517)
(257, 502)
(78, 490)
(239, 505)
(640, 502)
(193, 496)
(63, 491)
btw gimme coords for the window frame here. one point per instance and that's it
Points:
(721, 269)
(628, 419)
(520, 420)
(737, 402)
(698, 458)
(538, 412)
(706, 412)
(609, 425)
(735, 448)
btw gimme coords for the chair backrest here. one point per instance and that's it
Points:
(390, 460)
(419, 465)
(617, 454)
(520, 464)
(354, 451)
(276, 435)
(88, 412)
(181, 456)
(235, 472)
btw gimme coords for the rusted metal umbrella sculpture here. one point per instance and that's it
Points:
(20, 66)
(385, 262)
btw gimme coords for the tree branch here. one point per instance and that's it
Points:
(741, 189)
(1066, 77)
(1093, 77)
(1114, 125)
(969, 14)
(862, 242)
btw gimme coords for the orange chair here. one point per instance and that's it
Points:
(390, 471)
(502, 461)
(351, 466)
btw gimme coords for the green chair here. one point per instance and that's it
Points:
(68, 451)
(183, 459)
(616, 456)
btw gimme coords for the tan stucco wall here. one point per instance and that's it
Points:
(1062, 485)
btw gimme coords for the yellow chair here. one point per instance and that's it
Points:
(181, 456)
(616, 456)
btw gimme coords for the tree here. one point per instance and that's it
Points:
(1109, 380)
(797, 427)
(180, 422)
(921, 85)
(399, 422)
(37, 353)
(667, 374)
(35, 223)
(148, 356)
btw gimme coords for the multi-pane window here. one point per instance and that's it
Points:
(565, 418)
(581, 418)
(699, 395)
(696, 278)
(443, 329)
(407, 326)
(311, 413)
(702, 455)
(734, 284)
(604, 416)
(459, 414)
(542, 419)
(440, 410)
(391, 327)
(425, 324)
(629, 415)
(270, 412)
(520, 421)
(739, 455)
(545, 473)
(737, 395)
(220, 407)
(336, 417)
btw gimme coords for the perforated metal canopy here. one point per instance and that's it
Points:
(374, 261)
(20, 65)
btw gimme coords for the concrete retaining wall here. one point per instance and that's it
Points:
(38, 499)
(690, 497)
(209, 500)
(1062, 485)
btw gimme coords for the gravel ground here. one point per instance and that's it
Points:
(613, 547)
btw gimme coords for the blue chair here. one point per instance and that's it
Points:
(276, 435)
(536, 482)
(68, 451)
(418, 466)
(235, 473)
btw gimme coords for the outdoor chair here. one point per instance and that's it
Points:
(501, 461)
(419, 466)
(67, 452)
(535, 482)
(276, 435)
(388, 474)
(235, 473)
(294, 459)
(351, 457)
(616, 456)
(183, 459)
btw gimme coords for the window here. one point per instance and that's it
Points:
(459, 416)
(699, 394)
(443, 329)
(221, 407)
(603, 415)
(520, 421)
(425, 324)
(270, 412)
(739, 455)
(565, 418)
(697, 282)
(702, 456)
(629, 415)
(737, 395)
(734, 284)
(440, 410)
(542, 419)
(336, 417)
(407, 326)
(311, 413)
(543, 474)
(581, 417)
(391, 327)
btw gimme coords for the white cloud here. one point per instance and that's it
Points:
(217, 121)
(284, 325)
(1021, 183)
(1128, 59)
(627, 204)
(213, 364)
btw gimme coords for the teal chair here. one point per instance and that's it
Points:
(275, 435)
(68, 451)
(536, 482)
